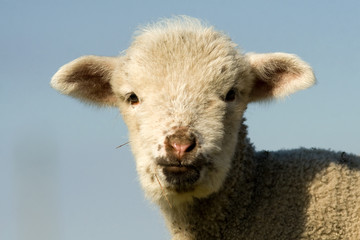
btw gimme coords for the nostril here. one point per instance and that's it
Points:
(191, 146)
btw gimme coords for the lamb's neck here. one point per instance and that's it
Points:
(213, 211)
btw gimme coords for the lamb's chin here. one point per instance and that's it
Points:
(174, 195)
(181, 178)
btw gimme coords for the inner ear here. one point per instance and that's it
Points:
(277, 75)
(88, 78)
(261, 90)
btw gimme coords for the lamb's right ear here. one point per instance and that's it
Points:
(88, 78)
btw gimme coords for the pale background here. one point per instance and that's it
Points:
(61, 177)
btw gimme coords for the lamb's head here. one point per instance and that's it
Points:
(182, 89)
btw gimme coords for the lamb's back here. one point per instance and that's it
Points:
(305, 194)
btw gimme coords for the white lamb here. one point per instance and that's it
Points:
(182, 89)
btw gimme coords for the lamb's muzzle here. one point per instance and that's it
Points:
(182, 165)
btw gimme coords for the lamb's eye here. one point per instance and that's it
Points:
(133, 99)
(230, 96)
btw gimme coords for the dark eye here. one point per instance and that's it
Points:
(230, 96)
(133, 99)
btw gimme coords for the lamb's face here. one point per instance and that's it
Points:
(182, 89)
(183, 104)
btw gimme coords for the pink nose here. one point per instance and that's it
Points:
(180, 148)
(180, 144)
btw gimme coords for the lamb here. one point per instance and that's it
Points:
(182, 88)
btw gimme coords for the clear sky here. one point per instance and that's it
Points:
(61, 177)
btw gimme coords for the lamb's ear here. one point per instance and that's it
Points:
(278, 75)
(88, 78)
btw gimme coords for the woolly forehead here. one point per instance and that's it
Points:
(184, 60)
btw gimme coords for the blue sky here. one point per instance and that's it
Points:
(60, 174)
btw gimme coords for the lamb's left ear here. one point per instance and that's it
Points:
(88, 78)
(278, 75)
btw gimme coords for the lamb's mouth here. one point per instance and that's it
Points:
(181, 177)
